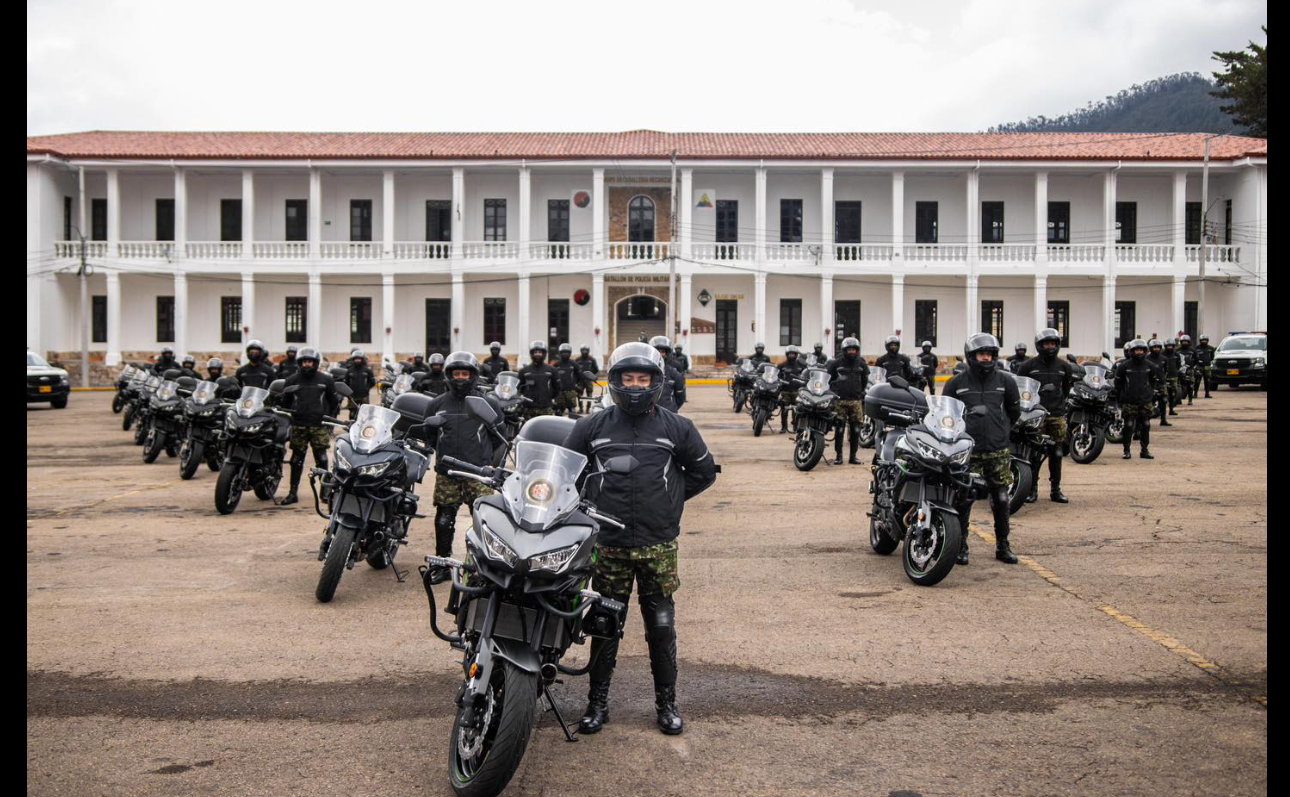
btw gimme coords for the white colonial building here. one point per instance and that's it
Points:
(397, 243)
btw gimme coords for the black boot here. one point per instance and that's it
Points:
(1145, 440)
(297, 469)
(965, 514)
(1054, 480)
(999, 505)
(604, 656)
(445, 526)
(669, 716)
(659, 613)
(837, 446)
(854, 441)
(1034, 483)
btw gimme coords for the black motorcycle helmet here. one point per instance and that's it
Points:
(565, 351)
(1170, 344)
(892, 344)
(495, 348)
(1203, 339)
(166, 351)
(1184, 341)
(1154, 344)
(635, 357)
(462, 361)
(664, 345)
(1020, 348)
(677, 349)
(1043, 338)
(309, 360)
(927, 347)
(189, 361)
(214, 368)
(291, 352)
(851, 343)
(975, 344)
(255, 351)
(819, 348)
(1137, 349)
(436, 363)
(760, 348)
(537, 351)
(584, 350)
(791, 353)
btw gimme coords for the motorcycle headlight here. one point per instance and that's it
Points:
(496, 549)
(342, 464)
(553, 561)
(929, 451)
(375, 469)
(253, 428)
(961, 458)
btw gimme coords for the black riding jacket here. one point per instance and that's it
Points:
(998, 393)
(674, 465)
(588, 363)
(569, 373)
(1173, 363)
(315, 398)
(1055, 376)
(432, 383)
(286, 369)
(790, 370)
(494, 365)
(255, 374)
(897, 364)
(759, 360)
(1203, 354)
(848, 378)
(461, 436)
(683, 363)
(929, 363)
(1136, 382)
(673, 397)
(164, 364)
(1163, 363)
(360, 379)
(539, 383)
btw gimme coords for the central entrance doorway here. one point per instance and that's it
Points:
(846, 322)
(639, 317)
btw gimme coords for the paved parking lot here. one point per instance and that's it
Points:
(174, 651)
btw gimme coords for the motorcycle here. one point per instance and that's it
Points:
(921, 475)
(1089, 413)
(122, 388)
(521, 599)
(742, 383)
(870, 426)
(507, 392)
(202, 424)
(255, 444)
(1028, 443)
(765, 399)
(370, 490)
(130, 396)
(813, 419)
(143, 408)
(403, 383)
(165, 418)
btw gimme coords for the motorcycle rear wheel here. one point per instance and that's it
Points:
(505, 739)
(1023, 481)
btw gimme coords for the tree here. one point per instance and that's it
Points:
(1244, 84)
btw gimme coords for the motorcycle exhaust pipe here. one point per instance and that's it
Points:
(549, 672)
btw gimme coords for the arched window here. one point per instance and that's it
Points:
(640, 219)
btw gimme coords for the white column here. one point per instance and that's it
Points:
(1041, 302)
(315, 215)
(181, 313)
(827, 321)
(598, 318)
(1179, 305)
(388, 211)
(826, 216)
(458, 211)
(897, 218)
(526, 209)
(1041, 219)
(523, 330)
(598, 206)
(759, 309)
(1178, 218)
(248, 308)
(113, 312)
(387, 317)
(313, 324)
(760, 209)
(1108, 313)
(686, 233)
(685, 303)
(181, 211)
(458, 310)
(84, 201)
(113, 210)
(973, 186)
(248, 213)
(897, 306)
(1108, 220)
(973, 307)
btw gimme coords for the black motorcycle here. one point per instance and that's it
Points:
(765, 397)
(370, 490)
(741, 385)
(203, 424)
(121, 397)
(920, 476)
(813, 419)
(1028, 443)
(165, 419)
(140, 409)
(522, 600)
(871, 427)
(255, 441)
(1089, 413)
(130, 395)
(506, 389)
(403, 383)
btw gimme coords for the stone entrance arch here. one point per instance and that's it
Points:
(628, 331)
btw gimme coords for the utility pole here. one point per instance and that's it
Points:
(671, 257)
(1204, 229)
(83, 273)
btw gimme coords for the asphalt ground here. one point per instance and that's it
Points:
(171, 650)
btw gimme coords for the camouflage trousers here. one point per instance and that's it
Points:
(534, 412)
(1143, 412)
(1173, 387)
(451, 491)
(849, 410)
(652, 567)
(1055, 427)
(305, 437)
(994, 466)
(566, 400)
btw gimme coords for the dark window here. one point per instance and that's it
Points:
(438, 326)
(230, 219)
(1059, 222)
(925, 228)
(640, 219)
(495, 321)
(991, 318)
(360, 319)
(297, 319)
(98, 319)
(297, 228)
(494, 219)
(1126, 224)
(925, 319)
(1059, 316)
(67, 218)
(846, 322)
(991, 222)
(846, 222)
(1192, 214)
(165, 319)
(727, 330)
(360, 219)
(790, 322)
(165, 219)
(230, 319)
(1227, 223)
(98, 219)
(790, 221)
(1126, 323)
(438, 220)
(1191, 314)
(557, 220)
(727, 221)
(557, 314)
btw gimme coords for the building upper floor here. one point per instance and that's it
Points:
(954, 203)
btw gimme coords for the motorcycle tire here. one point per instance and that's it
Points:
(140, 433)
(117, 404)
(500, 757)
(943, 561)
(152, 446)
(740, 398)
(190, 459)
(808, 449)
(867, 433)
(127, 420)
(879, 540)
(759, 421)
(342, 542)
(1115, 430)
(1023, 481)
(228, 488)
(1086, 453)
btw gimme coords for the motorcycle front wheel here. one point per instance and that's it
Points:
(929, 558)
(153, 445)
(1023, 481)
(127, 420)
(1115, 430)
(228, 488)
(1086, 443)
(482, 767)
(342, 541)
(117, 404)
(808, 450)
(759, 421)
(190, 458)
(740, 398)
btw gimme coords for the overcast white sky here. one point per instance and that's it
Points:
(794, 65)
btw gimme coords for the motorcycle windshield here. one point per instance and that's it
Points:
(204, 393)
(770, 373)
(877, 374)
(747, 366)
(251, 401)
(1095, 376)
(138, 378)
(508, 385)
(945, 417)
(167, 390)
(373, 428)
(401, 385)
(1029, 390)
(543, 487)
(818, 382)
(128, 373)
(152, 384)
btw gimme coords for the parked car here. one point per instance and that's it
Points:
(46, 383)
(1241, 360)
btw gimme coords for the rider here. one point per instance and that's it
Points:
(256, 371)
(288, 366)
(589, 365)
(850, 379)
(1137, 381)
(433, 381)
(928, 362)
(417, 365)
(993, 405)
(791, 369)
(1056, 377)
(1156, 357)
(214, 368)
(495, 363)
(314, 397)
(1188, 356)
(673, 382)
(759, 357)
(897, 364)
(1173, 374)
(1204, 359)
(165, 361)
(188, 367)
(817, 358)
(359, 377)
(569, 380)
(1019, 356)
(682, 359)
(673, 465)
(538, 382)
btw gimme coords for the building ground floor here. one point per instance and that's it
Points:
(128, 315)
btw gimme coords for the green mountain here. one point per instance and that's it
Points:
(1174, 104)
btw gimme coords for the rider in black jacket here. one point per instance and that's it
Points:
(759, 357)
(288, 367)
(1156, 356)
(1018, 357)
(673, 465)
(850, 379)
(1056, 377)
(673, 397)
(433, 381)
(928, 363)
(993, 405)
(538, 382)
(256, 371)
(1137, 382)
(360, 378)
(897, 364)
(1203, 356)
(793, 368)
(589, 365)
(310, 395)
(495, 363)
(188, 367)
(165, 361)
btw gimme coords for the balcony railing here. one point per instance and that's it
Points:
(280, 250)
(490, 250)
(1214, 253)
(936, 253)
(560, 250)
(155, 250)
(1144, 253)
(849, 252)
(724, 251)
(73, 248)
(422, 250)
(213, 250)
(639, 250)
(349, 250)
(1009, 253)
(1076, 253)
(792, 252)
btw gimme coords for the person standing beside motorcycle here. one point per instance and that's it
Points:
(993, 404)
(817, 358)
(1055, 376)
(929, 363)
(256, 371)
(539, 382)
(1018, 357)
(188, 367)
(588, 365)
(463, 437)
(433, 382)
(673, 397)
(359, 377)
(1156, 356)
(790, 370)
(897, 364)
(850, 379)
(314, 396)
(214, 369)
(415, 366)
(165, 361)
(495, 363)
(1137, 382)
(1204, 359)
(759, 357)
(569, 377)
(1173, 374)
(288, 367)
(673, 466)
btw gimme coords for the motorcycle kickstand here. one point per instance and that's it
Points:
(559, 717)
(398, 574)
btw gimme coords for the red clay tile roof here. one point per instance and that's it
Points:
(643, 144)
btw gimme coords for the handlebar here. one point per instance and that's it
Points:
(594, 515)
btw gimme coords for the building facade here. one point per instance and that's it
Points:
(398, 243)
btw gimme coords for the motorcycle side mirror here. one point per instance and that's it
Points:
(481, 410)
(620, 465)
(435, 421)
(588, 376)
(342, 389)
(958, 357)
(980, 410)
(1071, 358)
(1105, 356)
(897, 382)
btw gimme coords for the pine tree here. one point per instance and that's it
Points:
(1244, 84)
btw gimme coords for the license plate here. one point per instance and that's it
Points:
(1230, 372)
(46, 389)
